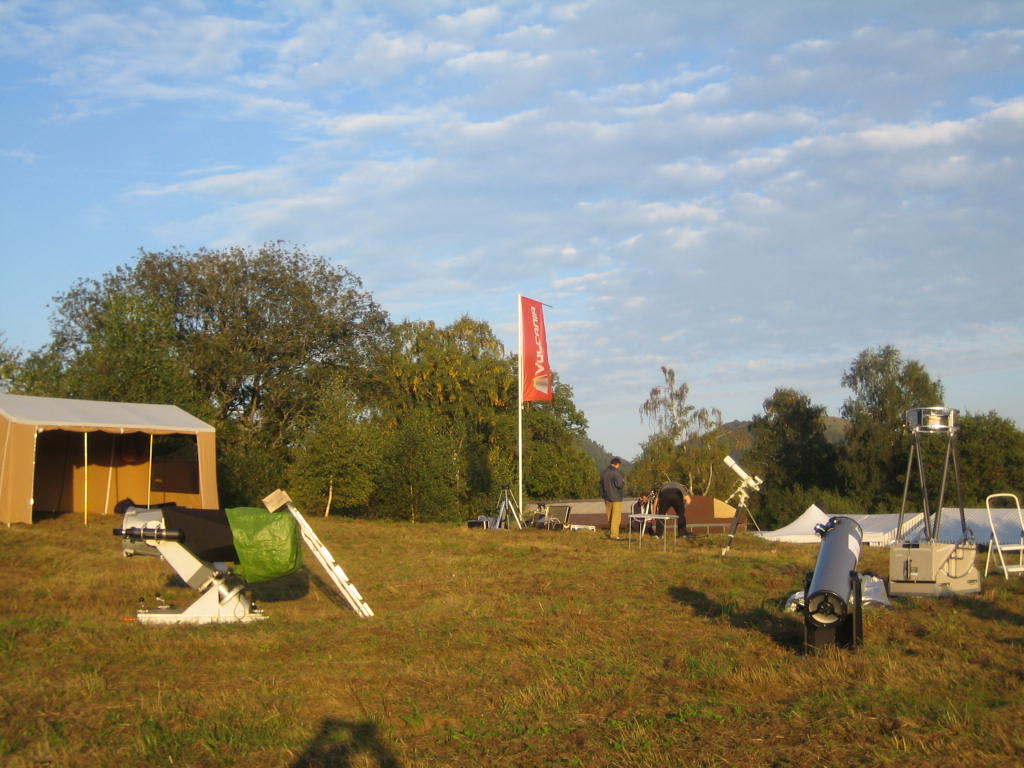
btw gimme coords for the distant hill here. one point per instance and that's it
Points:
(835, 432)
(602, 455)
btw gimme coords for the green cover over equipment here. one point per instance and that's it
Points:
(268, 545)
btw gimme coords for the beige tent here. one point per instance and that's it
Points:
(84, 456)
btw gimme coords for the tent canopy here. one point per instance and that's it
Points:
(879, 530)
(62, 455)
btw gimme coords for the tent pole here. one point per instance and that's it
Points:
(110, 472)
(149, 473)
(85, 466)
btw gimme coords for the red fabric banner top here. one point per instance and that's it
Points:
(533, 352)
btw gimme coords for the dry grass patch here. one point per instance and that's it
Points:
(493, 649)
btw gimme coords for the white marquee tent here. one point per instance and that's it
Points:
(879, 530)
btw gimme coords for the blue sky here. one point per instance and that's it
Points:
(751, 193)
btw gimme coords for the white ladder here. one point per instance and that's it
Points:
(280, 499)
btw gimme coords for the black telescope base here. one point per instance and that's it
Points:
(845, 631)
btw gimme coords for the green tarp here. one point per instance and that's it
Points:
(268, 545)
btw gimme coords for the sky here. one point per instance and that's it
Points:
(749, 193)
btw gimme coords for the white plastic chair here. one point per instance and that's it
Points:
(1002, 548)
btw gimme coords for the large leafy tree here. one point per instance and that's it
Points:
(447, 395)
(791, 452)
(991, 457)
(884, 388)
(457, 384)
(555, 464)
(247, 339)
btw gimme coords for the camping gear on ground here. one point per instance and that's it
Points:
(198, 544)
(1006, 545)
(279, 500)
(832, 606)
(506, 510)
(926, 566)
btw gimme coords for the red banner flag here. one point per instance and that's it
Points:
(535, 367)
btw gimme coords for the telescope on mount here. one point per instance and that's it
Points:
(748, 484)
(262, 544)
(832, 592)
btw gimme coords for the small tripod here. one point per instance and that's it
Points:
(507, 509)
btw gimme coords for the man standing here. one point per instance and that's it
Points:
(612, 484)
(675, 497)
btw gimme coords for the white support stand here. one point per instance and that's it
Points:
(280, 499)
(222, 598)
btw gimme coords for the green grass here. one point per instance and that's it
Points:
(522, 648)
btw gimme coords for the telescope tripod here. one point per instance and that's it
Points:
(741, 495)
(507, 510)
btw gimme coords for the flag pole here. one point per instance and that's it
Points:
(519, 399)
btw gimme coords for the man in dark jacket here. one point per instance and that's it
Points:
(612, 484)
(675, 497)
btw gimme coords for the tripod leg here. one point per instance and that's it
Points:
(732, 530)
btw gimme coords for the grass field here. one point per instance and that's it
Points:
(522, 648)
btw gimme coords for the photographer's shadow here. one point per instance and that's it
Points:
(767, 618)
(344, 744)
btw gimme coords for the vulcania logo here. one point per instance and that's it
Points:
(541, 373)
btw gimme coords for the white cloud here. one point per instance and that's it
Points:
(752, 198)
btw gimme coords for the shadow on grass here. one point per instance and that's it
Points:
(343, 743)
(983, 609)
(290, 587)
(788, 632)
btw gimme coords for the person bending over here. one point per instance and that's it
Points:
(672, 497)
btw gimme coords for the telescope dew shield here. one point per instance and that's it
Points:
(829, 617)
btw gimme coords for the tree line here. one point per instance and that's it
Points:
(309, 384)
(866, 470)
(312, 387)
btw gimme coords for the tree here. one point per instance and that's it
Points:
(687, 441)
(416, 484)
(9, 364)
(247, 339)
(459, 381)
(340, 455)
(791, 453)
(457, 384)
(555, 464)
(991, 457)
(875, 453)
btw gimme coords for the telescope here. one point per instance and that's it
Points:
(753, 483)
(263, 544)
(747, 486)
(832, 592)
(198, 544)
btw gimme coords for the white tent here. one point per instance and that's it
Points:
(801, 530)
(879, 530)
(1006, 522)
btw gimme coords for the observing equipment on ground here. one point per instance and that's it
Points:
(506, 510)
(747, 486)
(199, 543)
(279, 500)
(832, 592)
(927, 566)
